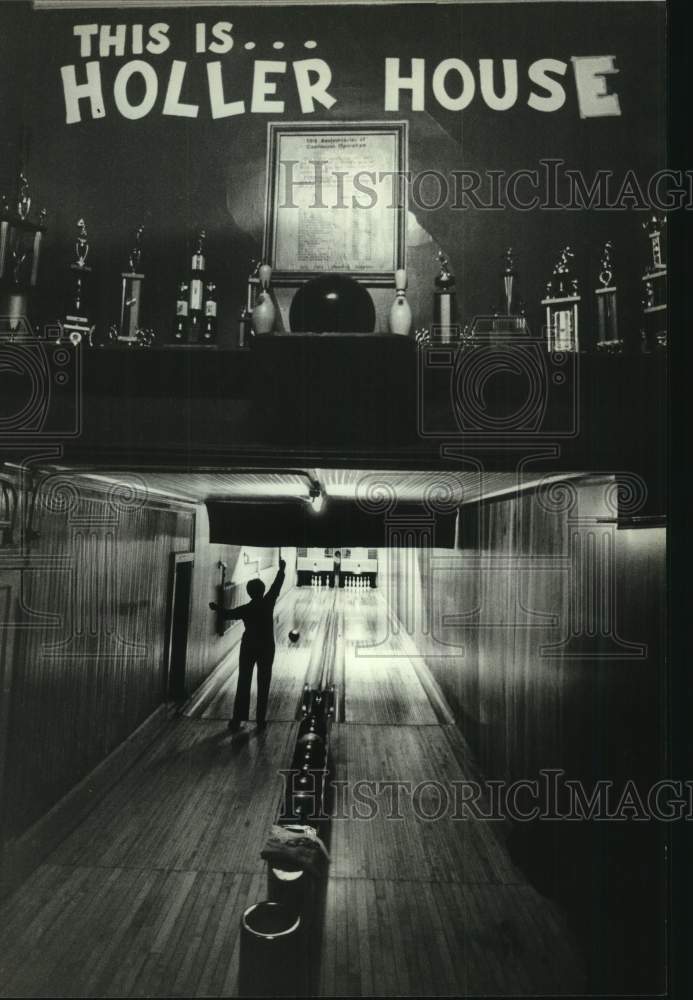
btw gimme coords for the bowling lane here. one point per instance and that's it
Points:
(304, 608)
(144, 897)
(381, 684)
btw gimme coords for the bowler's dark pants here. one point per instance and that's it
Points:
(249, 656)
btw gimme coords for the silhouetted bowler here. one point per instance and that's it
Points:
(257, 646)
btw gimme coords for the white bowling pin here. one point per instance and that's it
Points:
(264, 312)
(400, 318)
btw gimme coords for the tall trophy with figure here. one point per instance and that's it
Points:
(654, 333)
(506, 319)
(608, 340)
(445, 328)
(21, 236)
(509, 316)
(562, 305)
(129, 330)
(76, 324)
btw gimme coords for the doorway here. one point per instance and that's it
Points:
(179, 622)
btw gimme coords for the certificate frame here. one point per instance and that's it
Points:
(386, 143)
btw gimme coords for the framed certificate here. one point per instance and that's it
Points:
(336, 200)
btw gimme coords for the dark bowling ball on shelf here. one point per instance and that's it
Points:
(294, 635)
(332, 303)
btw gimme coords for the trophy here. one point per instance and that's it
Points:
(245, 324)
(129, 330)
(20, 249)
(76, 324)
(509, 317)
(503, 322)
(562, 302)
(653, 333)
(444, 303)
(608, 341)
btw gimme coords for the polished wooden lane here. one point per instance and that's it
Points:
(199, 799)
(421, 757)
(410, 938)
(381, 685)
(422, 907)
(417, 906)
(124, 932)
(145, 897)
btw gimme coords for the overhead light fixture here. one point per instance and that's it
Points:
(316, 497)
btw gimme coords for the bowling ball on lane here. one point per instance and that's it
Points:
(294, 635)
(309, 740)
(332, 303)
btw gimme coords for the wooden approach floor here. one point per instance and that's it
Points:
(144, 898)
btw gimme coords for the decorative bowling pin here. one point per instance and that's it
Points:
(264, 312)
(400, 318)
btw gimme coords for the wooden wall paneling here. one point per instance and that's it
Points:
(551, 674)
(89, 657)
(83, 685)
